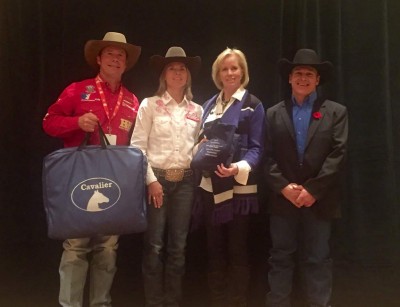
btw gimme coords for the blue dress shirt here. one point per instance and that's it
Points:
(301, 120)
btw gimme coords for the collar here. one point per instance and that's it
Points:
(167, 98)
(107, 85)
(307, 101)
(236, 95)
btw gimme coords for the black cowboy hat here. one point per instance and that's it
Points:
(175, 54)
(306, 57)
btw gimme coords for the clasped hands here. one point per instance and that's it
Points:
(297, 195)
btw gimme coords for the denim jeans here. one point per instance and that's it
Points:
(74, 265)
(308, 236)
(165, 242)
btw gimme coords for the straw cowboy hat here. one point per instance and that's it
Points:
(306, 57)
(93, 48)
(175, 54)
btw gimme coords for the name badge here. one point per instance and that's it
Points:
(112, 138)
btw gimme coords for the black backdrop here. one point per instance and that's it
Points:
(42, 52)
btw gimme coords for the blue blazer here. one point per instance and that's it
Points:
(250, 126)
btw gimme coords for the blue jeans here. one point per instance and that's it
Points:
(308, 236)
(165, 243)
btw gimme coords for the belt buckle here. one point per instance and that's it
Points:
(174, 175)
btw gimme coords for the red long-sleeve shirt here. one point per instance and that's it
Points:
(82, 97)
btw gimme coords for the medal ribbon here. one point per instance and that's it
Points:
(104, 102)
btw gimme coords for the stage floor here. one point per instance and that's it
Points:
(29, 274)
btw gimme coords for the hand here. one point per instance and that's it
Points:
(203, 140)
(305, 199)
(155, 194)
(223, 171)
(87, 122)
(291, 192)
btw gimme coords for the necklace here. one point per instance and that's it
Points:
(220, 107)
(224, 104)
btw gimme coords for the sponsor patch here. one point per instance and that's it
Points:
(125, 124)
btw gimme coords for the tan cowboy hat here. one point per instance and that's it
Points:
(93, 48)
(306, 57)
(175, 54)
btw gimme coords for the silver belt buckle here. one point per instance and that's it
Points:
(174, 175)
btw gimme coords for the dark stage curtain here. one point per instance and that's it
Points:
(42, 52)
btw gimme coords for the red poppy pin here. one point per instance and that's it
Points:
(317, 115)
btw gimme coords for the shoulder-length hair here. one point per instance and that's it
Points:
(162, 87)
(242, 63)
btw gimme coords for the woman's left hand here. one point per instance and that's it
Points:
(223, 171)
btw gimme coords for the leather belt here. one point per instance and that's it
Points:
(173, 175)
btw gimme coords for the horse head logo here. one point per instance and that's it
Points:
(96, 199)
(96, 194)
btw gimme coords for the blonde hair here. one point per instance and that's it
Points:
(242, 63)
(162, 87)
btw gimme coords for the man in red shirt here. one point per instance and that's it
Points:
(79, 109)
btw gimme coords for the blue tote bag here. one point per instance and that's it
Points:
(90, 190)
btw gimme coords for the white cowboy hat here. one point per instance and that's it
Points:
(93, 48)
(175, 54)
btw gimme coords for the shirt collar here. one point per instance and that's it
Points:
(236, 95)
(167, 98)
(308, 101)
(107, 85)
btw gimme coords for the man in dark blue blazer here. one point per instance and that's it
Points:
(305, 150)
